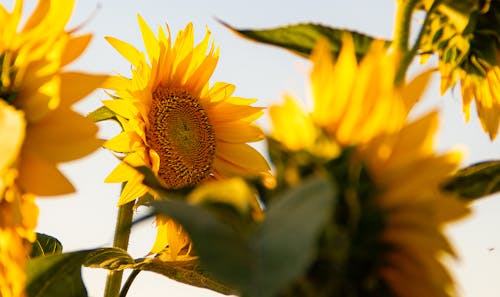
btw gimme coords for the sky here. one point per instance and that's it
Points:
(86, 219)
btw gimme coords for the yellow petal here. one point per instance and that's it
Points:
(231, 191)
(62, 136)
(291, 126)
(242, 155)
(150, 41)
(12, 130)
(238, 132)
(121, 107)
(129, 52)
(75, 47)
(41, 177)
(76, 85)
(122, 143)
(413, 91)
(132, 190)
(225, 112)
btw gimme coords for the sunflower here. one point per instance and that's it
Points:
(32, 79)
(16, 212)
(466, 36)
(37, 126)
(173, 122)
(397, 240)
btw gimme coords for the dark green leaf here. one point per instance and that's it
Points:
(56, 275)
(476, 181)
(101, 114)
(280, 249)
(223, 251)
(188, 272)
(45, 245)
(301, 38)
(109, 258)
(285, 242)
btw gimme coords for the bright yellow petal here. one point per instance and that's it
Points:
(238, 132)
(41, 177)
(150, 41)
(76, 85)
(75, 47)
(126, 50)
(62, 136)
(291, 126)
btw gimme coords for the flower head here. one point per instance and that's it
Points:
(14, 209)
(174, 122)
(37, 126)
(33, 80)
(396, 228)
(466, 37)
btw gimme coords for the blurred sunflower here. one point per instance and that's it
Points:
(397, 240)
(466, 36)
(33, 80)
(37, 126)
(173, 122)
(17, 213)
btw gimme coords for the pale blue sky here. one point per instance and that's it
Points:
(86, 219)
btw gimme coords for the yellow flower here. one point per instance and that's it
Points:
(14, 209)
(175, 123)
(486, 92)
(408, 174)
(465, 36)
(32, 59)
(358, 105)
(340, 92)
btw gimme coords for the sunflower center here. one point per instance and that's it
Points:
(180, 132)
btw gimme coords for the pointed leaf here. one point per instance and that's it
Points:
(56, 275)
(101, 114)
(109, 258)
(285, 242)
(188, 272)
(475, 181)
(301, 38)
(45, 245)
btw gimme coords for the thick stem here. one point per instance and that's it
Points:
(408, 57)
(122, 234)
(404, 10)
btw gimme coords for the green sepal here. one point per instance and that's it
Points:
(45, 245)
(102, 114)
(279, 250)
(301, 38)
(475, 181)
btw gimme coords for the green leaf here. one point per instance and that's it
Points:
(45, 245)
(223, 252)
(109, 258)
(188, 272)
(56, 275)
(285, 242)
(279, 250)
(101, 114)
(301, 38)
(475, 181)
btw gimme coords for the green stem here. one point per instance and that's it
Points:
(122, 234)
(408, 57)
(128, 283)
(404, 10)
